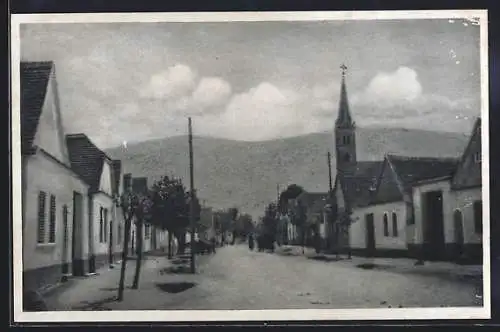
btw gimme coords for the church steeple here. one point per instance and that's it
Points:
(344, 116)
(345, 132)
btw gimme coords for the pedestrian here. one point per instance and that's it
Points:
(250, 242)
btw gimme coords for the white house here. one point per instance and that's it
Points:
(98, 171)
(54, 197)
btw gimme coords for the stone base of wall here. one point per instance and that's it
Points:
(38, 279)
(380, 252)
(471, 253)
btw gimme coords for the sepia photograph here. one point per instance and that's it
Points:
(250, 166)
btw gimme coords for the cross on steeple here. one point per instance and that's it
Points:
(344, 69)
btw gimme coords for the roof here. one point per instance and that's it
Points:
(467, 175)
(35, 78)
(413, 170)
(344, 118)
(356, 185)
(116, 166)
(86, 159)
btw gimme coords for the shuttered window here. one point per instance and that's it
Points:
(41, 216)
(119, 239)
(52, 219)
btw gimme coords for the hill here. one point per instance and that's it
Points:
(245, 174)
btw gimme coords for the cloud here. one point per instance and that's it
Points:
(398, 98)
(172, 83)
(211, 91)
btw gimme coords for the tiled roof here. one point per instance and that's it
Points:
(86, 159)
(34, 81)
(412, 170)
(468, 172)
(357, 184)
(387, 187)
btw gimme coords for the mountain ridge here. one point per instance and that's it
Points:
(246, 173)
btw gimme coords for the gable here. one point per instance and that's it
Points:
(105, 183)
(388, 187)
(468, 173)
(49, 135)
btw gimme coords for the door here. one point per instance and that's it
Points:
(110, 242)
(434, 246)
(65, 267)
(76, 238)
(370, 235)
(459, 233)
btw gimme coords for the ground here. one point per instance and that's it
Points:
(237, 278)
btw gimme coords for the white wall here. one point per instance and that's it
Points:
(105, 180)
(44, 174)
(48, 135)
(463, 201)
(101, 200)
(357, 232)
(448, 203)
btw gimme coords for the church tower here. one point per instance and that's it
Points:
(345, 132)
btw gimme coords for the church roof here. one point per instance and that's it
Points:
(359, 184)
(344, 118)
(35, 78)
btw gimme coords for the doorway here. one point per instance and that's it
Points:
(65, 267)
(111, 242)
(370, 235)
(459, 233)
(76, 238)
(433, 225)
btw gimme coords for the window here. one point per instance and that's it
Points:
(386, 225)
(52, 219)
(478, 216)
(147, 230)
(101, 225)
(394, 224)
(41, 217)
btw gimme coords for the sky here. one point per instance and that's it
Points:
(130, 82)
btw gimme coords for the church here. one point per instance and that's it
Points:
(404, 206)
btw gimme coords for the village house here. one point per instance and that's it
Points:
(98, 171)
(54, 197)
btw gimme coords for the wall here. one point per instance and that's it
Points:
(463, 200)
(48, 135)
(448, 202)
(44, 174)
(358, 228)
(101, 249)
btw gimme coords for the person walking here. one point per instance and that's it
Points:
(250, 242)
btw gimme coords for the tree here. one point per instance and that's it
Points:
(130, 204)
(270, 221)
(142, 216)
(170, 208)
(291, 192)
(298, 218)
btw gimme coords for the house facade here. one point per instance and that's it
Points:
(54, 197)
(98, 170)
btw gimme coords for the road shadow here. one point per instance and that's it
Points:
(99, 305)
(112, 289)
(176, 269)
(175, 287)
(324, 258)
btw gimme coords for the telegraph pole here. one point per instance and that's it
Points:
(191, 202)
(329, 156)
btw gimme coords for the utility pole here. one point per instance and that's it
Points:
(329, 156)
(191, 202)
